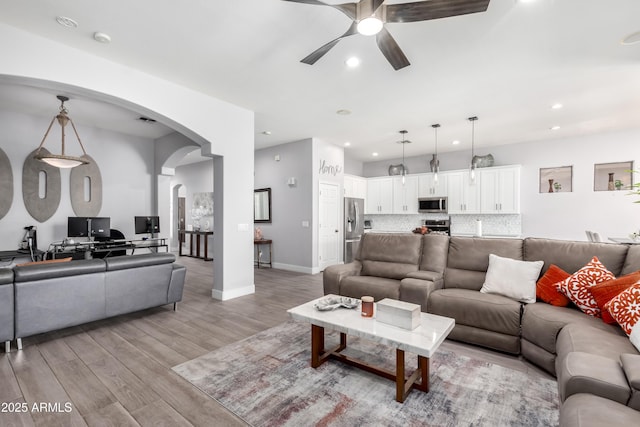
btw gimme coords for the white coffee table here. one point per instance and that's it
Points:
(423, 341)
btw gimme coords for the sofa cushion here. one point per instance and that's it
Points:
(434, 252)
(632, 260)
(587, 410)
(576, 287)
(378, 287)
(512, 278)
(571, 256)
(472, 308)
(625, 309)
(468, 259)
(608, 342)
(390, 255)
(606, 291)
(631, 368)
(541, 323)
(546, 287)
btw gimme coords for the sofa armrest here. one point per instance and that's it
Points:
(176, 283)
(631, 368)
(590, 373)
(334, 274)
(417, 291)
(431, 276)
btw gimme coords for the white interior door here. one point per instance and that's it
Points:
(329, 230)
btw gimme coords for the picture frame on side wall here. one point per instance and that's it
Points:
(556, 180)
(613, 176)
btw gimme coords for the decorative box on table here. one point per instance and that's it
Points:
(398, 313)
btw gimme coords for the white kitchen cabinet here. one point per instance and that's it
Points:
(355, 186)
(405, 195)
(500, 190)
(428, 187)
(463, 196)
(379, 198)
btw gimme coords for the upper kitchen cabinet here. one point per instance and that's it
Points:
(500, 190)
(379, 198)
(464, 196)
(429, 187)
(405, 194)
(355, 186)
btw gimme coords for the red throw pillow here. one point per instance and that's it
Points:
(605, 291)
(576, 287)
(546, 287)
(625, 308)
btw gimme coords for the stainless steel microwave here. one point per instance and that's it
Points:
(433, 205)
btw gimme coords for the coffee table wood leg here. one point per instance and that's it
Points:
(317, 345)
(403, 387)
(400, 382)
(423, 365)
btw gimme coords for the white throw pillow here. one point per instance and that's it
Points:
(512, 278)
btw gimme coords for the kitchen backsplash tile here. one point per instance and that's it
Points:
(492, 225)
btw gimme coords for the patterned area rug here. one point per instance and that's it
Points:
(266, 380)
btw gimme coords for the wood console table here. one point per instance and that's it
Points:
(257, 243)
(192, 233)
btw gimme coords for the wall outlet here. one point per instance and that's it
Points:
(243, 227)
(276, 157)
(305, 224)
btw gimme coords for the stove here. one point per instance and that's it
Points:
(438, 226)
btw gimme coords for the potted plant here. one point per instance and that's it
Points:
(618, 184)
(557, 186)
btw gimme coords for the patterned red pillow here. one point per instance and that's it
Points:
(606, 291)
(625, 308)
(576, 287)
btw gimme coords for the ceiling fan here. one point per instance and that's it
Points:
(369, 17)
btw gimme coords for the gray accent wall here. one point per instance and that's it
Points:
(293, 244)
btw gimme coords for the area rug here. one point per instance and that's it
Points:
(266, 380)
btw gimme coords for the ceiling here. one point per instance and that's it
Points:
(507, 66)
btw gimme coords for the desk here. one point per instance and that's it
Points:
(103, 249)
(192, 233)
(10, 258)
(257, 243)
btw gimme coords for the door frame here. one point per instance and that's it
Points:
(339, 207)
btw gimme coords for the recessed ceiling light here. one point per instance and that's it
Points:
(102, 37)
(66, 22)
(347, 144)
(456, 142)
(352, 62)
(554, 127)
(266, 132)
(631, 39)
(556, 106)
(343, 112)
(374, 154)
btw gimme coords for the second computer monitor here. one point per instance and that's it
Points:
(147, 224)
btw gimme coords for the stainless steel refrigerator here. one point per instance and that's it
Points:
(353, 226)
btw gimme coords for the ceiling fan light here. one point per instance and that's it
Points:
(369, 26)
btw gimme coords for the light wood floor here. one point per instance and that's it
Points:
(117, 372)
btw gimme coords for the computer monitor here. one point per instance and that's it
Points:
(100, 227)
(78, 226)
(147, 224)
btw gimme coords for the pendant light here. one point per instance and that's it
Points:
(436, 161)
(403, 142)
(61, 160)
(472, 166)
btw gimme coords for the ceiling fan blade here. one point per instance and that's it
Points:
(390, 49)
(433, 9)
(319, 53)
(348, 9)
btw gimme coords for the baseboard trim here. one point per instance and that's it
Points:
(296, 268)
(231, 294)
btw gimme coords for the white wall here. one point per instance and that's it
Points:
(126, 189)
(221, 128)
(558, 215)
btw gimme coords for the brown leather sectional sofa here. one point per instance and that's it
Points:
(597, 367)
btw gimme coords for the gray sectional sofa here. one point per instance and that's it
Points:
(44, 297)
(597, 367)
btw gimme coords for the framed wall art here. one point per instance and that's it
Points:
(612, 176)
(556, 180)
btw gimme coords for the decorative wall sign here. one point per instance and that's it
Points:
(81, 176)
(40, 208)
(556, 180)
(327, 169)
(6, 184)
(612, 176)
